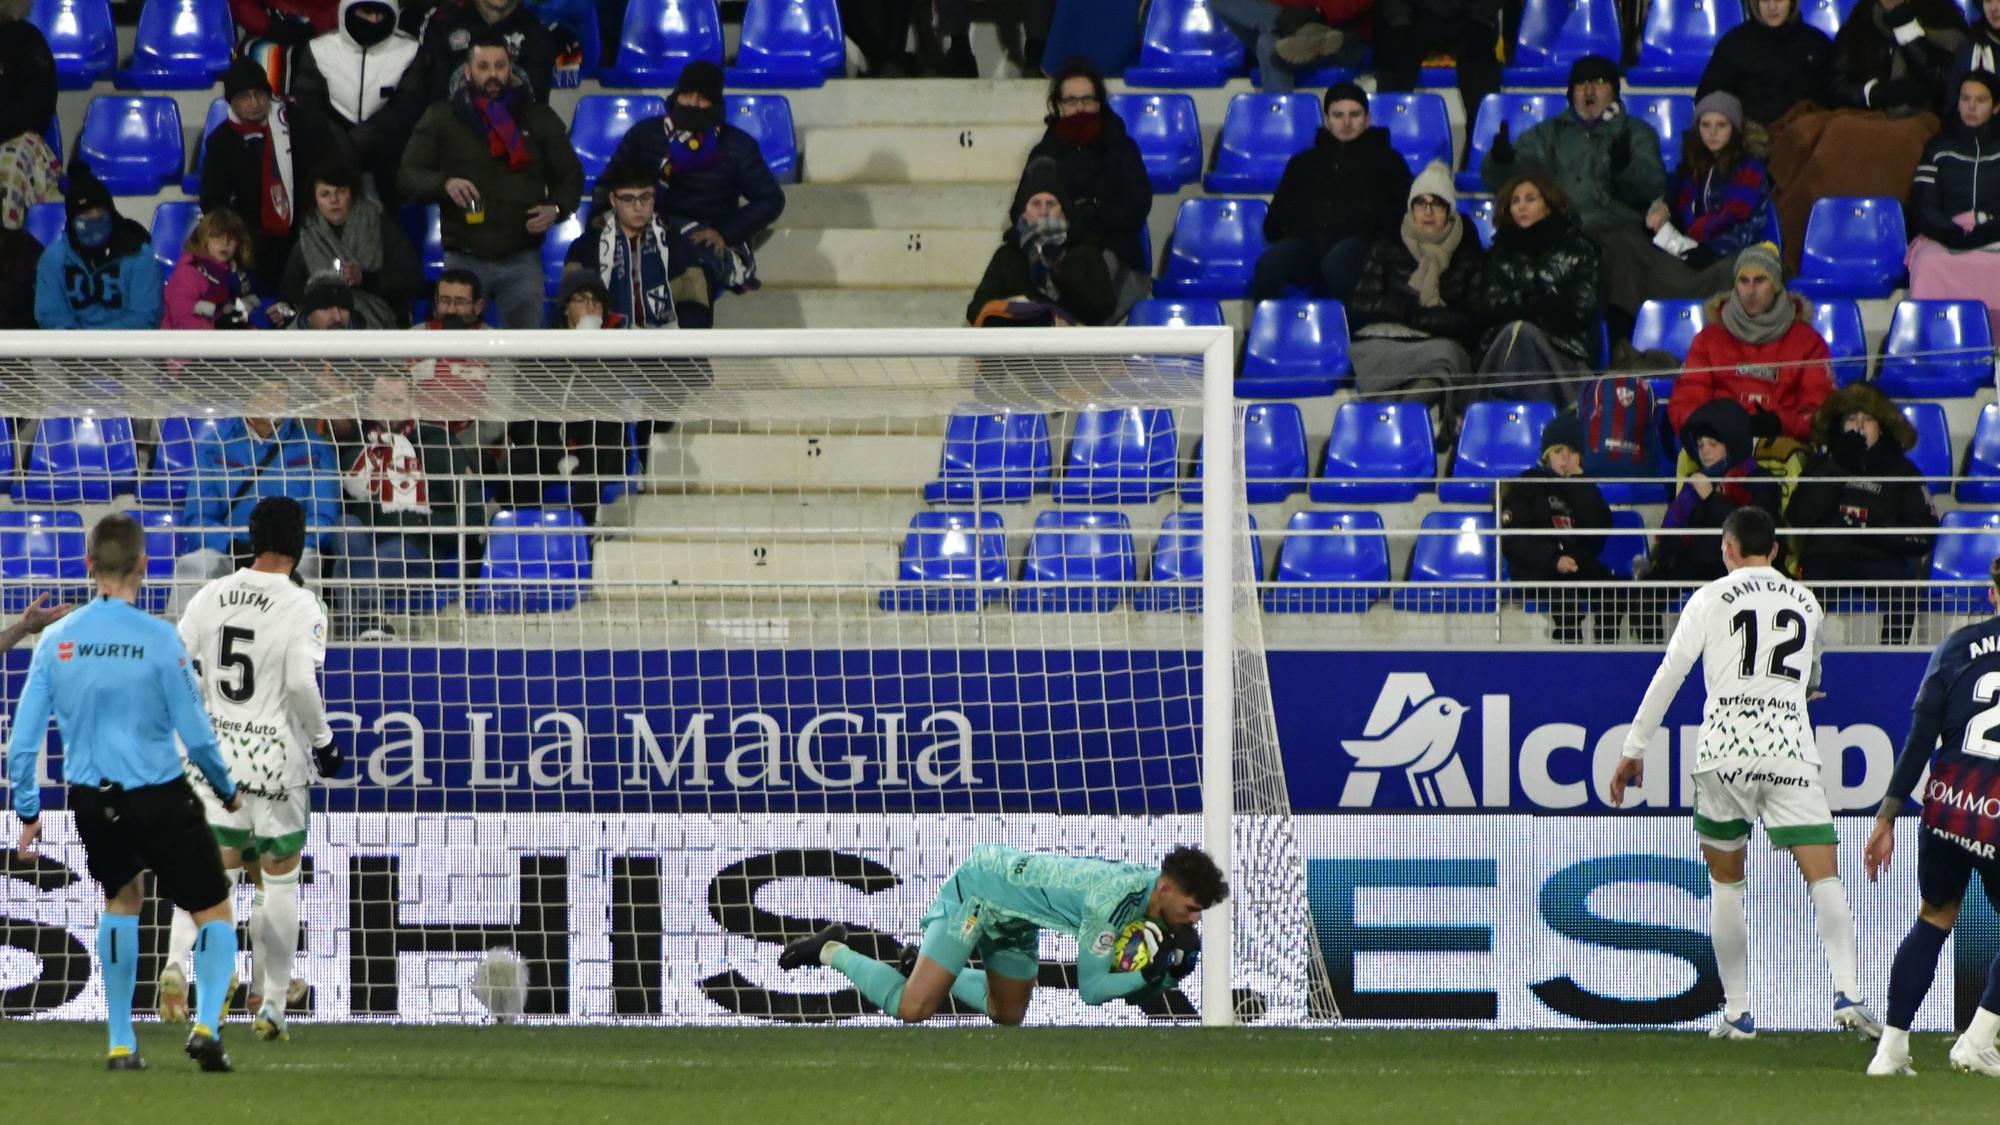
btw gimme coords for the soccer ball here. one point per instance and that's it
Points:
(1134, 949)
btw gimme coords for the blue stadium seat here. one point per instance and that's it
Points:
(1274, 454)
(1077, 547)
(218, 112)
(1678, 39)
(768, 118)
(179, 45)
(1454, 552)
(133, 143)
(1827, 15)
(172, 220)
(167, 479)
(1480, 213)
(601, 121)
(1418, 126)
(1215, 248)
(1296, 349)
(1937, 349)
(1628, 542)
(537, 561)
(78, 461)
(991, 459)
(1853, 248)
(163, 545)
(1521, 111)
(1184, 44)
(1177, 565)
(1670, 115)
(1982, 460)
(1379, 453)
(1155, 312)
(1330, 547)
(1967, 543)
(41, 553)
(1556, 33)
(1498, 440)
(6, 447)
(789, 44)
(1260, 133)
(952, 562)
(1838, 321)
(1932, 455)
(427, 235)
(46, 222)
(1168, 132)
(82, 37)
(556, 245)
(1119, 456)
(1669, 326)
(659, 37)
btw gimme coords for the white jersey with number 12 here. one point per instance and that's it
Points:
(257, 640)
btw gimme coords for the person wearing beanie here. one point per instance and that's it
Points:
(1334, 200)
(1109, 192)
(1759, 351)
(1285, 36)
(359, 82)
(1407, 32)
(1551, 496)
(652, 276)
(328, 303)
(1040, 261)
(1414, 311)
(101, 273)
(453, 25)
(1955, 203)
(1606, 160)
(1772, 61)
(712, 185)
(251, 164)
(501, 168)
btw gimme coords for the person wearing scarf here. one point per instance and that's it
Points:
(101, 273)
(1413, 306)
(1039, 264)
(1109, 192)
(210, 285)
(248, 166)
(347, 229)
(653, 278)
(1760, 351)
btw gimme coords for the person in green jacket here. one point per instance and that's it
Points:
(1606, 160)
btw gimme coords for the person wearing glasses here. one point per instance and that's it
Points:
(651, 272)
(1109, 194)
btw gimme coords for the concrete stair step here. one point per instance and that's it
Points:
(877, 259)
(973, 206)
(918, 153)
(772, 307)
(923, 101)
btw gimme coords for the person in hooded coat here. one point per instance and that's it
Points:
(1550, 496)
(101, 273)
(1038, 263)
(357, 84)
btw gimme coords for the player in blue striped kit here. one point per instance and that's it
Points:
(120, 686)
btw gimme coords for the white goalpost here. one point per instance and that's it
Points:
(653, 649)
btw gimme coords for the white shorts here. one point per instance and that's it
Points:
(267, 827)
(1785, 793)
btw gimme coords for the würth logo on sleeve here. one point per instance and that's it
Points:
(65, 650)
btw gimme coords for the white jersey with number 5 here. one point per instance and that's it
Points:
(259, 642)
(1757, 634)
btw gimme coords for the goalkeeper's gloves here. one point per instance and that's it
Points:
(328, 759)
(1174, 956)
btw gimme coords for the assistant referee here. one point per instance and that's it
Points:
(120, 685)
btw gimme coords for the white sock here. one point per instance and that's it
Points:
(827, 951)
(281, 931)
(260, 944)
(1895, 1043)
(1984, 1025)
(180, 940)
(1836, 933)
(1729, 932)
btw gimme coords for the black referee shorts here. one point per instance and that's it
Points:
(1945, 868)
(157, 828)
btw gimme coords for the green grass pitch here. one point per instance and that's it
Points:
(53, 1074)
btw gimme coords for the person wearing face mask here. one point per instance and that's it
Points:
(349, 236)
(1537, 293)
(454, 26)
(210, 285)
(652, 276)
(1414, 310)
(1550, 497)
(1606, 160)
(1862, 479)
(1772, 61)
(1040, 274)
(1759, 351)
(101, 273)
(1955, 204)
(1110, 195)
(251, 164)
(358, 82)
(1333, 202)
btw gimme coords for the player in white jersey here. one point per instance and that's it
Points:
(1757, 635)
(258, 639)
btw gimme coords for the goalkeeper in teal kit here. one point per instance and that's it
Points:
(1134, 928)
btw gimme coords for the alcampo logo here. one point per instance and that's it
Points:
(1422, 741)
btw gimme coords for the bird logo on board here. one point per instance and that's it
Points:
(1413, 729)
(66, 650)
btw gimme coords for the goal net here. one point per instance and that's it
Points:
(653, 651)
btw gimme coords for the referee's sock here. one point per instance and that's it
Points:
(881, 984)
(970, 989)
(214, 960)
(118, 949)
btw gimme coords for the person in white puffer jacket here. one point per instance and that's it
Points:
(357, 79)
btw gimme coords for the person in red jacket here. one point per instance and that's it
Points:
(1760, 351)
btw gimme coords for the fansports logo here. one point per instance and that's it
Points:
(1413, 729)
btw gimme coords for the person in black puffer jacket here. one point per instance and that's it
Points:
(1415, 323)
(1042, 273)
(1771, 61)
(1862, 478)
(1955, 201)
(1546, 498)
(1537, 291)
(1109, 193)
(1896, 55)
(1334, 200)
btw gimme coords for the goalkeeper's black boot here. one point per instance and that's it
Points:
(805, 951)
(906, 961)
(122, 1059)
(207, 1050)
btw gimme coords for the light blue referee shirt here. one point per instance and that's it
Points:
(121, 686)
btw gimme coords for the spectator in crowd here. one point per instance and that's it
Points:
(1688, 549)
(101, 272)
(239, 463)
(1606, 160)
(1547, 497)
(1537, 292)
(456, 388)
(567, 22)
(412, 505)
(210, 286)
(1413, 309)
(1286, 36)
(455, 27)
(1896, 55)
(29, 172)
(712, 184)
(881, 29)
(349, 235)
(1861, 479)
(567, 463)
(1409, 31)
(1955, 204)
(1334, 201)
(1041, 274)
(1980, 52)
(1759, 351)
(504, 169)
(1772, 61)
(326, 304)
(285, 24)
(652, 277)
(582, 302)
(1109, 193)
(251, 165)
(358, 83)
(20, 254)
(954, 35)
(1717, 203)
